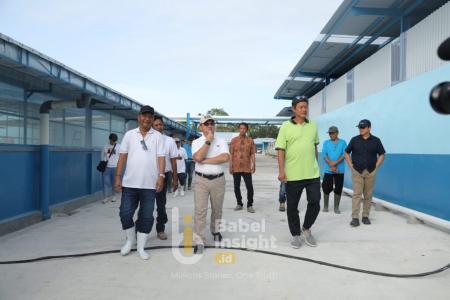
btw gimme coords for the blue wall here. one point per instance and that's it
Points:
(72, 175)
(416, 172)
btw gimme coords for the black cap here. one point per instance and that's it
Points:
(364, 123)
(147, 109)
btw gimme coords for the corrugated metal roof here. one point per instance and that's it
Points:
(356, 30)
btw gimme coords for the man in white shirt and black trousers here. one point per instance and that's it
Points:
(142, 151)
(210, 154)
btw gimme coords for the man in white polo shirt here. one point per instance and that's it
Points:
(142, 151)
(210, 154)
(171, 153)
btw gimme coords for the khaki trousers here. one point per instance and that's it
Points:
(363, 184)
(205, 189)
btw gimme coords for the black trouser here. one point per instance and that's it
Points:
(161, 200)
(329, 179)
(294, 191)
(182, 178)
(248, 185)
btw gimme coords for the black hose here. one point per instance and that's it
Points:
(42, 258)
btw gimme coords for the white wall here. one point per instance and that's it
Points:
(337, 93)
(315, 106)
(373, 74)
(423, 39)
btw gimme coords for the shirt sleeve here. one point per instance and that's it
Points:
(173, 149)
(125, 143)
(281, 142)
(253, 150)
(160, 146)
(316, 138)
(325, 149)
(350, 146)
(195, 146)
(344, 145)
(380, 148)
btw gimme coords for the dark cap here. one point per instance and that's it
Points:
(147, 109)
(363, 123)
(333, 129)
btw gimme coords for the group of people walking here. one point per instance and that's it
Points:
(152, 158)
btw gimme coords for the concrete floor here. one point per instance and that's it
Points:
(388, 245)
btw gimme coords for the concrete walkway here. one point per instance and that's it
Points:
(388, 245)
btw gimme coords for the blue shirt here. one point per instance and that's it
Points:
(188, 149)
(334, 152)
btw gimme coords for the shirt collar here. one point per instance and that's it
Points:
(293, 120)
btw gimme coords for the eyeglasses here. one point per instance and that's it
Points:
(330, 133)
(144, 146)
(209, 123)
(301, 98)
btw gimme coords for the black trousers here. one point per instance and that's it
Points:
(330, 179)
(161, 200)
(248, 184)
(294, 191)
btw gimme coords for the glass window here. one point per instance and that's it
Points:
(11, 114)
(74, 135)
(100, 120)
(99, 137)
(117, 124)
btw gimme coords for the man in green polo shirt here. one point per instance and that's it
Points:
(297, 166)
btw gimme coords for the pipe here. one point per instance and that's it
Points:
(441, 223)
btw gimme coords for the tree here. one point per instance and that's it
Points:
(217, 112)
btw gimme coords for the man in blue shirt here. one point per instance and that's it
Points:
(190, 163)
(333, 154)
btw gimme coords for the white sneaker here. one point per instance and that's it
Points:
(181, 188)
(141, 240)
(131, 240)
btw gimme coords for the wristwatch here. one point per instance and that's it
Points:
(162, 175)
(208, 143)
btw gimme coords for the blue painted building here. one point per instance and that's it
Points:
(53, 166)
(379, 62)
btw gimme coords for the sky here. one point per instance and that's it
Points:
(178, 56)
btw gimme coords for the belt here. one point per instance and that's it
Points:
(210, 177)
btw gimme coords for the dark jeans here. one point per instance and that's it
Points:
(131, 198)
(182, 178)
(329, 179)
(282, 193)
(248, 185)
(294, 191)
(161, 200)
(190, 166)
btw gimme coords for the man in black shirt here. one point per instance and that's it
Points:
(367, 156)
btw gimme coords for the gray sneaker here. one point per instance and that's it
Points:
(250, 209)
(296, 242)
(309, 239)
(238, 207)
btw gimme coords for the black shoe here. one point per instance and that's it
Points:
(217, 237)
(198, 249)
(366, 220)
(354, 222)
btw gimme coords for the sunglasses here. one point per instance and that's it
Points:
(209, 123)
(144, 146)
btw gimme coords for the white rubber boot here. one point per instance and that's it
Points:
(181, 188)
(176, 192)
(141, 240)
(131, 240)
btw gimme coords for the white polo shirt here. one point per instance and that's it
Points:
(112, 161)
(218, 146)
(181, 163)
(142, 170)
(170, 151)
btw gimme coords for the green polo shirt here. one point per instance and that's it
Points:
(299, 141)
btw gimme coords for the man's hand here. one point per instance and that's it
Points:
(209, 136)
(282, 176)
(253, 170)
(159, 184)
(334, 169)
(118, 184)
(231, 171)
